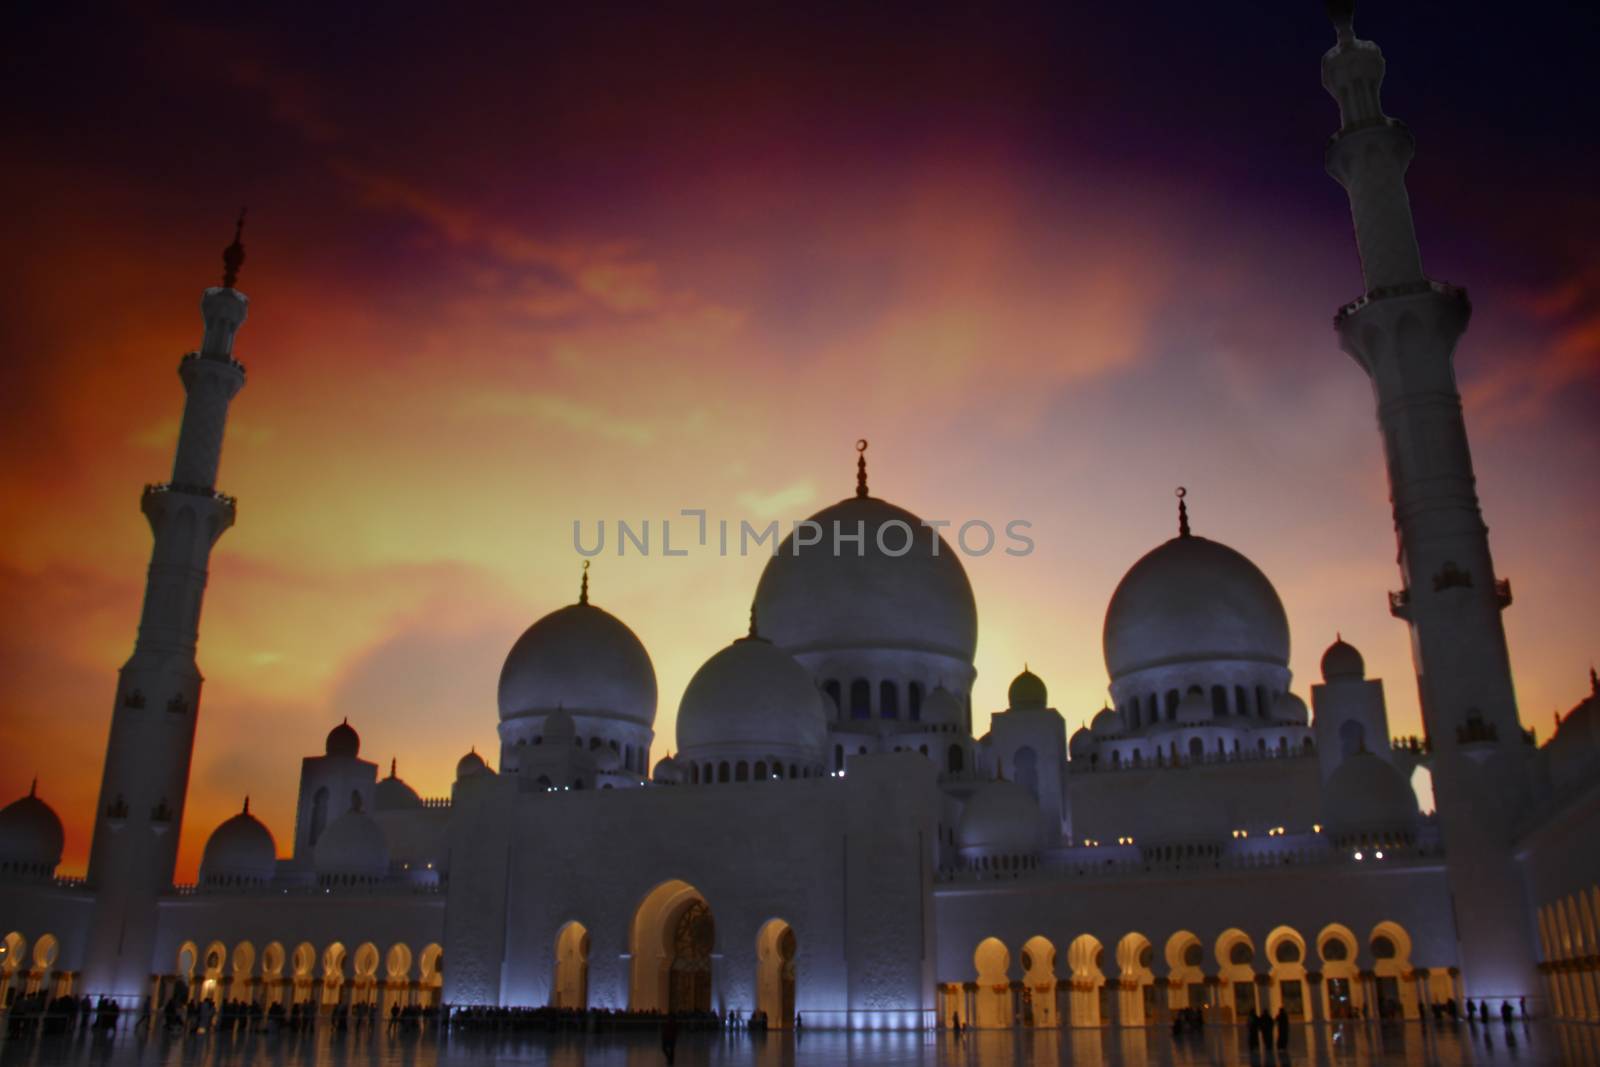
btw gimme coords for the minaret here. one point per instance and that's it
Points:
(1403, 332)
(146, 775)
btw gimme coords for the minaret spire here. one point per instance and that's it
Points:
(233, 255)
(583, 585)
(861, 467)
(146, 775)
(1183, 512)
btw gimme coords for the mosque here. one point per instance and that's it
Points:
(1208, 840)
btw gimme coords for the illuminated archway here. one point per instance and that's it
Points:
(776, 949)
(333, 973)
(672, 938)
(364, 989)
(13, 960)
(1341, 984)
(1039, 983)
(46, 950)
(302, 967)
(1186, 982)
(1137, 990)
(991, 1007)
(431, 966)
(241, 983)
(396, 977)
(272, 981)
(1395, 991)
(213, 963)
(1236, 968)
(1286, 960)
(1089, 993)
(570, 990)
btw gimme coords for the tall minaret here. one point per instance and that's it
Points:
(146, 776)
(1403, 332)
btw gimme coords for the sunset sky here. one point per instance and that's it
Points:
(507, 272)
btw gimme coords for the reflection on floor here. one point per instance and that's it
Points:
(1352, 1044)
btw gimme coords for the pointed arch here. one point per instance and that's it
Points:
(671, 939)
(1085, 956)
(992, 1003)
(776, 951)
(1135, 957)
(1039, 983)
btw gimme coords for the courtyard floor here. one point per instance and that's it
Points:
(1354, 1044)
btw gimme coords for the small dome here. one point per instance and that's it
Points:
(1194, 709)
(1082, 742)
(353, 846)
(1192, 600)
(812, 598)
(583, 659)
(1106, 723)
(668, 771)
(1342, 662)
(1002, 817)
(941, 707)
(1367, 794)
(1291, 709)
(31, 837)
(343, 741)
(240, 851)
(471, 766)
(1027, 691)
(752, 694)
(392, 794)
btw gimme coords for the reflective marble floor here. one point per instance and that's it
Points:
(1352, 1044)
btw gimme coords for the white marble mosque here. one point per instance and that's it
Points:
(1214, 838)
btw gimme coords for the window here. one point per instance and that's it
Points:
(741, 771)
(761, 770)
(956, 759)
(1172, 704)
(888, 700)
(831, 687)
(1262, 703)
(1241, 701)
(1197, 748)
(861, 699)
(722, 771)
(838, 757)
(1219, 702)
(914, 699)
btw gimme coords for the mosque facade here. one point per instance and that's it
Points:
(1210, 839)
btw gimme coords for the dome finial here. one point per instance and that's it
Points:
(33, 790)
(233, 255)
(754, 633)
(1594, 680)
(394, 764)
(246, 810)
(1183, 512)
(861, 467)
(583, 586)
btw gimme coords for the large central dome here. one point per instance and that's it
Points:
(1193, 600)
(819, 600)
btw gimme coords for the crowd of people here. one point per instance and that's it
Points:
(38, 1013)
(487, 1019)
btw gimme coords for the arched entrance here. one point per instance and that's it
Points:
(242, 984)
(1138, 989)
(672, 938)
(991, 1007)
(333, 973)
(1236, 957)
(1286, 955)
(304, 964)
(1039, 983)
(1186, 982)
(775, 959)
(432, 980)
(1341, 986)
(1085, 955)
(272, 961)
(216, 959)
(571, 989)
(397, 977)
(1391, 964)
(364, 990)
